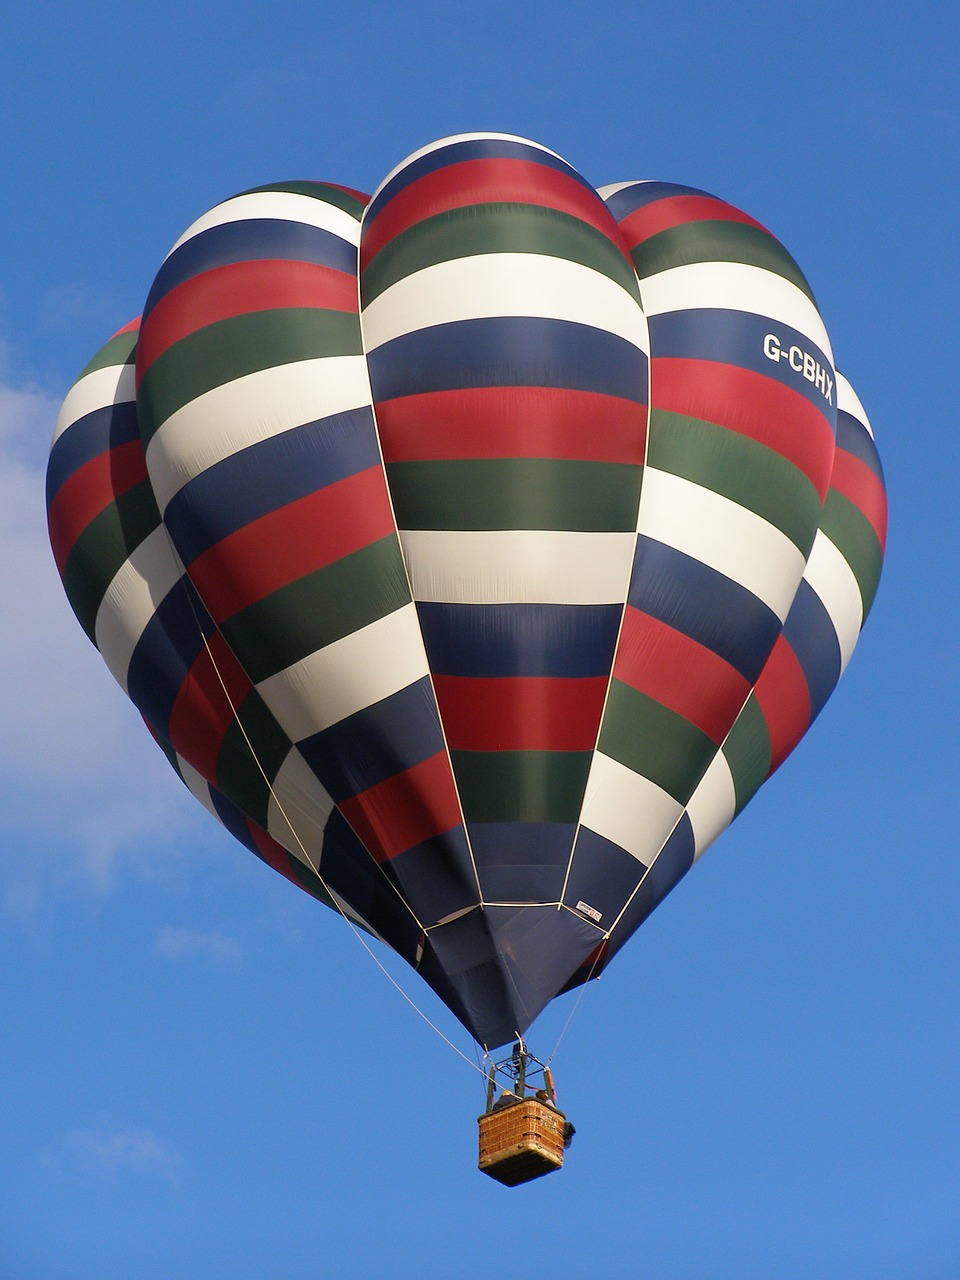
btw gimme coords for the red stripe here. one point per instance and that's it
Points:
(277, 857)
(752, 405)
(674, 211)
(593, 965)
(512, 422)
(293, 541)
(679, 673)
(273, 853)
(784, 699)
(350, 191)
(89, 491)
(863, 487)
(127, 328)
(240, 288)
(473, 182)
(405, 810)
(521, 713)
(202, 713)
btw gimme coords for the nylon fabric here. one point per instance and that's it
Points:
(476, 550)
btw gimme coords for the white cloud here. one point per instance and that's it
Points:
(27, 415)
(82, 781)
(119, 1151)
(218, 948)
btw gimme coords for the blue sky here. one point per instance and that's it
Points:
(203, 1074)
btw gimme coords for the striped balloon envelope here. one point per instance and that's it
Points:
(475, 550)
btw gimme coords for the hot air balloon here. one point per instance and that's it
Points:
(475, 550)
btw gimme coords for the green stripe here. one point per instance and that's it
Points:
(741, 469)
(100, 551)
(521, 786)
(747, 751)
(854, 537)
(233, 348)
(118, 351)
(305, 878)
(711, 241)
(495, 228)
(321, 607)
(516, 493)
(654, 741)
(317, 191)
(240, 775)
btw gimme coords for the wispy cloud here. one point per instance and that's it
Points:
(117, 1151)
(82, 781)
(218, 948)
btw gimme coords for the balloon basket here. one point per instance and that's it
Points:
(522, 1135)
(521, 1141)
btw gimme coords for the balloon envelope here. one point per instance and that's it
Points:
(476, 550)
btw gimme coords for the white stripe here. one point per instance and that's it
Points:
(612, 188)
(298, 810)
(628, 809)
(712, 806)
(248, 410)
(504, 284)
(286, 206)
(200, 789)
(722, 534)
(347, 676)
(734, 286)
(139, 587)
(452, 140)
(309, 807)
(114, 384)
(516, 566)
(835, 583)
(849, 402)
(197, 785)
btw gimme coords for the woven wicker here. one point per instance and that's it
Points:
(521, 1141)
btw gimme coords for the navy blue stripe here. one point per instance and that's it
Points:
(268, 475)
(703, 604)
(348, 870)
(602, 875)
(90, 436)
(519, 639)
(436, 876)
(521, 861)
(508, 351)
(853, 437)
(622, 203)
(170, 644)
(675, 860)
(813, 639)
(737, 338)
(458, 153)
(376, 743)
(248, 240)
(521, 844)
(234, 820)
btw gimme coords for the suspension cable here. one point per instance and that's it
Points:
(313, 866)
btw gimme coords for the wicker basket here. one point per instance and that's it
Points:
(521, 1141)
